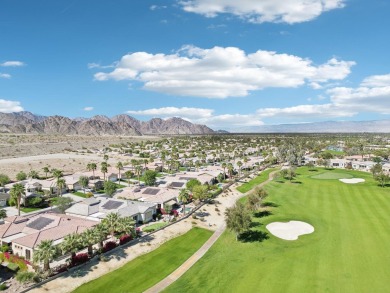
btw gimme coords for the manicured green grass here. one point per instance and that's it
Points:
(348, 251)
(80, 193)
(255, 181)
(334, 174)
(28, 210)
(154, 227)
(147, 270)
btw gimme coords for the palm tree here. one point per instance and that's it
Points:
(224, 173)
(71, 244)
(112, 223)
(184, 197)
(104, 169)
(89, 238)
(105, 158)
(57, 173)
(46, 170)
(16, 193)
(92, 167)
(127, 225)
(45, 253)
(33, 174)
(119, 166)
(230, 170)
(239, 164)
(84, 180)
(138, 171)
(101, 233)
(61, 183)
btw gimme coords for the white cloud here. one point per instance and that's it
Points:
(5, 75)
(88, 109)
(260, 11)
(174, 112)
(156, 7)
(12, 64)
(305, 111)
(376, 81)
(222, 72)
(10, 106)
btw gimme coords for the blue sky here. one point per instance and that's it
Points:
(227, 64)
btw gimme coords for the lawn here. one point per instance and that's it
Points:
(348, 251)
(29, 210)
(80, 193)
(147, 270)
(255, 181)
(154, 227)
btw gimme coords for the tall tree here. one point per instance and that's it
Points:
(92, 167)
(224, 168)
(89, 238)
(84, 180)
(104, 169)
(46, 170)
(33, 174)
(200, 192)
(4, 179)
(16, 192)
(110, 188)
(45, 253)
(71, 244)
(238, 219)
(150, 177)
(61, 184)
(184, 197)
(119, 166)
(112, 223)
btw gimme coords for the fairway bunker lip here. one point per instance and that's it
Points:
(289, 230)
(352, 180)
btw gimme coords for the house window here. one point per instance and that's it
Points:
(28, 254)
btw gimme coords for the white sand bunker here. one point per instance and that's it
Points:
(352, 180)
(291, 230)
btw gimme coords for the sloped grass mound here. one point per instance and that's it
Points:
(332, 175)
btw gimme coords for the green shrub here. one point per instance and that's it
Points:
(25, 277)
(3, 287)
(13, 267)
(4, 248)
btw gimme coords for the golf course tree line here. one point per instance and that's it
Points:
(379, 175)
(239, 217)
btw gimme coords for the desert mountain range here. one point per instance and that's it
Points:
(26, 122)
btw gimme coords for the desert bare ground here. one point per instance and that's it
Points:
(23, 152)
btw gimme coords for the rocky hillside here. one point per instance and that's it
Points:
(26, 122)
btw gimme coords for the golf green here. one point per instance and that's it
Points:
(332, 175)
(348, 252)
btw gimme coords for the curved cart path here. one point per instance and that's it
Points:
(202, 251)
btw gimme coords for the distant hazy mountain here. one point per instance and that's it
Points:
(323, 127)
(26, 122)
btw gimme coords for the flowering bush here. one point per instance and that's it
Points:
(79, 259)
(125, 238)
(109, 246)
(22, 263)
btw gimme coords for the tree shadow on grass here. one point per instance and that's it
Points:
(255, 224)
(279, 181)
(296, 182)
(253, 236)
(270, 204)
(262, 214)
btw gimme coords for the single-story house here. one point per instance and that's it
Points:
(25, 233)
(99, 208)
